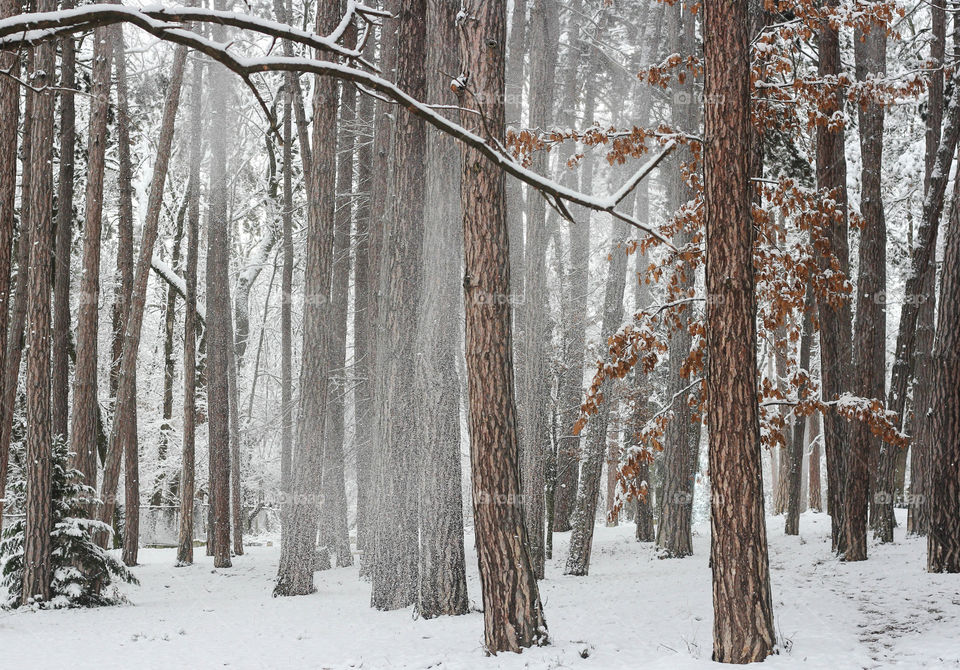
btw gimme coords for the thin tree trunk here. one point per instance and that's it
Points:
(60, 365)
(512, 611)
(188, 476)
(743, 612)
(85, 404)
(37, 572)
(791, 524)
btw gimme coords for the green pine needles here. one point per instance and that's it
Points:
(84, 574)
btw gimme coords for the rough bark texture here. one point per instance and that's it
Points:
(396, 544)
(791, 524)
(742, 605)
(37, 571)
(85, 404)
(443, 580)
(188, 475)
(834, 256)
(943, 539)
(512, 611)
(921, 445)
(60, 365)
(295, 575)
(870, 329)
(9, 118)
(815, 494)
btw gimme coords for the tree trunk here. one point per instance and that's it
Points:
(123, 436)
(443, 579)
(514, 84)
(37, 573)
(534, 380)
(743, 613)
(297, 555)
(794, 484)
(188, 476)
(85, 404)
(60, 365)
(921, 447)
(816, 495)
(512, 612)
(943, 539)
(870, 330)
(9, 117)
(236, 488)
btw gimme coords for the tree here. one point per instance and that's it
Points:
(396, 546)
(38, 572)
(188, 458)
(513, 614)
(743, 612)
(443, 580)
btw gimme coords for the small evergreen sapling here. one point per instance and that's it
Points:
(84, 574)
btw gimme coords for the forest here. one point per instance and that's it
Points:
(479, 333)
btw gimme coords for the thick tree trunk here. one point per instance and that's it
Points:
(60, 365)
(85, 386)
(37, 571)
(943, 539)
(298, 549)
(743, 612)
(9, 117)
(396, 544)
(835, 318)
(443, 579)
(188, 475)
(512, 611)
(870, 329)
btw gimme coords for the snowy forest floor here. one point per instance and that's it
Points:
(632, 611)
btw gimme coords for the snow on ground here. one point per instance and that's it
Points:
(634, 610)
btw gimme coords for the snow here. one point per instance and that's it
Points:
(634, 610)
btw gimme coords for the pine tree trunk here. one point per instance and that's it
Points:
(816, 495)
(60, 366)
(514, 85)
(512, 611)
(794, 483)
(443, 574)
(870, 329)
(835, 319)
(943, 539)
(743, 613)
(85, 404)
(922, 446)
(236, 488)
(188, 475)
(9, 118)
(37, 572)
(298, 549)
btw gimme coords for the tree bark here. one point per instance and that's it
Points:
(870, 329)
(188, 476)
(60, 364)
(297, 555)
(743, 612)
(794, 483)
(37, 572)
(513, 614)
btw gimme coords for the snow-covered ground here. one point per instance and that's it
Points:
(633, 611)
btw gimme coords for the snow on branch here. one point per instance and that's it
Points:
(173, 25)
